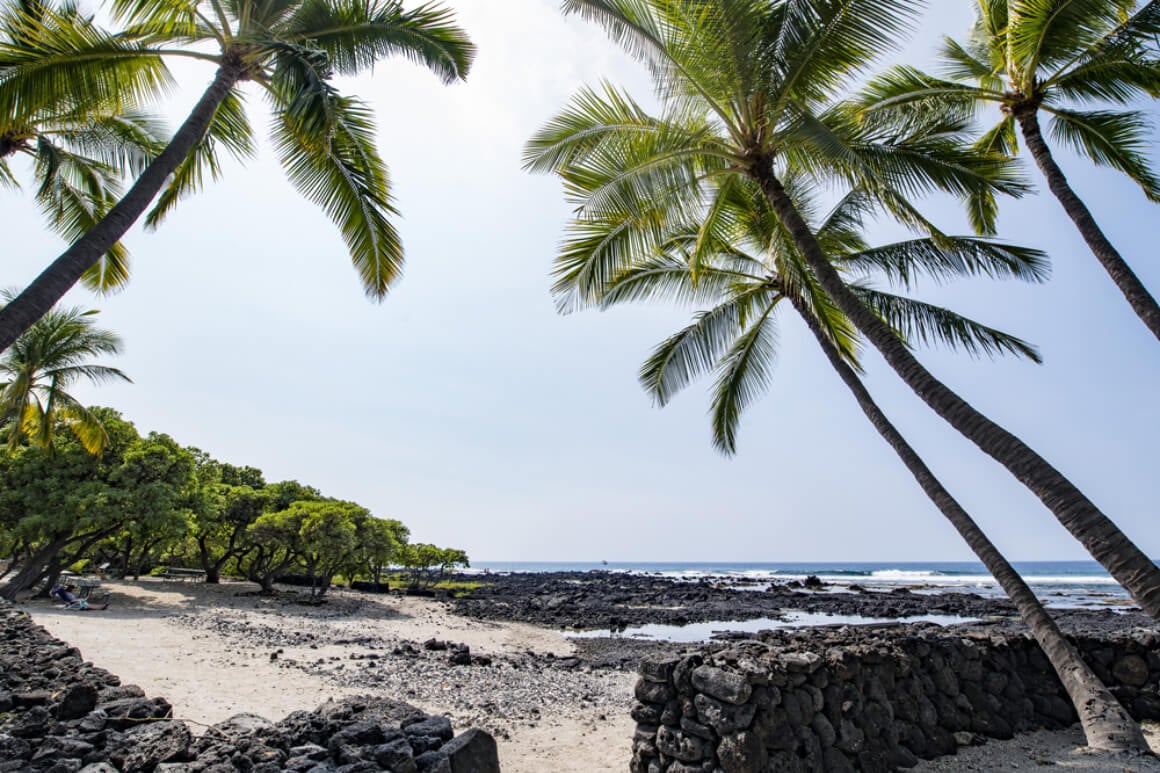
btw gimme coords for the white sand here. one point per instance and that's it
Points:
(147, 638)
(177, 640)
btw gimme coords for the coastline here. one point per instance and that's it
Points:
(213, 654)
(552, 702)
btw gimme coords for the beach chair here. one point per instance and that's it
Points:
(83, 598)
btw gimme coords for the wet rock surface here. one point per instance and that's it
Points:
(613, 600)
(59, 713)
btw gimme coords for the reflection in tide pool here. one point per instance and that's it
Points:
(701, 632)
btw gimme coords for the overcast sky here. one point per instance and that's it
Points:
(466, 407)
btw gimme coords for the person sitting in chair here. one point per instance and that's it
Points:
(70, 599)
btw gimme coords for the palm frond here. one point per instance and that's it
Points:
(595, 252)
(230, 128)
(326, 144)
(950, 258)
(820, 44)
(56, 59)
(171, 21)
(124, 139)
(697, 349)
(905, 87)
(1002, 139)
(744, 375)
(629, 23)
(666, 278)
(1119, 81)
(1114, 139)
(357, 33)
(928, 324)
(962, 64)
(75, 193)
(83, 423)
(1045, 34)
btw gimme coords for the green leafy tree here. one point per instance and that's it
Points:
(319, 535)
(82, 138)
(36, 372)
(749, 268)
(379, 542)
(328, 536)
(226, 501)
(272, 540)
(62, 504)
(1029, 57)
(220, 528)
(292, 50)
(749, 90)
(428, 564)
(152, 484)
(274, 537)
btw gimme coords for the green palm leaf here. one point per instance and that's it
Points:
(698, 348)
(357, 33)
(61, 59)
(1114, 139)
(1108, 80)
(950, 258)
(1050, 33)
(929, 324)
(326, 144)
(821, 44)
(37, 370)
(230, 128)
(744, 376)
(74, 193)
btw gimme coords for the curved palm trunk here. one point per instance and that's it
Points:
(1079, 515)
(1130, 285)
(63, 273)
(1106, 724)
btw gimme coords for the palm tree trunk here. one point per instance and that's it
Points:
(63, 273)
(1106, 724)
(1079, 515)
(1130, 285)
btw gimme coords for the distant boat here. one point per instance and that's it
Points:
(604, 562)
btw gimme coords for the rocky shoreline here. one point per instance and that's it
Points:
(601, 600)
(538, 693)
(60, 714)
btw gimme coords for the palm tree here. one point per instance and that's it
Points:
(292, 49)
(748, 267)
(37, 370)
(1032, 57)
(748, 89)
(82, 142)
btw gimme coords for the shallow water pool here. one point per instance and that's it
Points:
(702, 632)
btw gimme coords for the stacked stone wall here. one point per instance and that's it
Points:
(867, 700)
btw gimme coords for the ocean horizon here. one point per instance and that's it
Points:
(1059, 583)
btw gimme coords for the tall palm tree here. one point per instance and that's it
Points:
(1031, 57)
(37, 370)
(292, 50)
(748, 90)
(748, 267)
(80, 142)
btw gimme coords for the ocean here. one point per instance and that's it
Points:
(1057, 583)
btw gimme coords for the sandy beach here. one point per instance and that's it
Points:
(216, 651)
(213, 654)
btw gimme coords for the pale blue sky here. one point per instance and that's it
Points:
(466, 407)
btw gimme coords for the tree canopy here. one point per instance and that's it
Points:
(147, 503)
